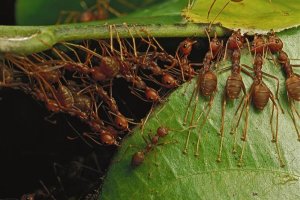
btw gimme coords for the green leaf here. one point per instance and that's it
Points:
(253, 15)
(47, 12)
(167, 173)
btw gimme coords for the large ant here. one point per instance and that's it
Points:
(292, 83)
(259, 94)
(206, 85)
(234, 83)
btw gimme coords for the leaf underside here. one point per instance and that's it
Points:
(169, 174)
(248, 15)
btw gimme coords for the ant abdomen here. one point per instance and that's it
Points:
(208, 83)
(293, 87)
(137, 158)
(234, 86)
(261, 95)
(65, 96)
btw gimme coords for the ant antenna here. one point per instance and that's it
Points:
(210, 8)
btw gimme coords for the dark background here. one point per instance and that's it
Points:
(29, 145)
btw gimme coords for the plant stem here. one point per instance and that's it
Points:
(31, 39)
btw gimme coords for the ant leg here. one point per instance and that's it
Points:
(222, 126)
(225, 53)
(189, 104)
(245, 130)
(282, 164)
(244, 137)
(271, 123)
(211, 6)
(78, 135)
(233, 130)
(47, 190)
(209, 28)
(277, 89)
(209, 106)
(293, 109)
(191, 122)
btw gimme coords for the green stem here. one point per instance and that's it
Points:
(32, 39)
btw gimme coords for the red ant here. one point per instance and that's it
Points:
(139, 157)
(233, 88)
(292, 85)
(275, 45)
(206, 86)
(100, 11)
(183, 51)
(259, 94)
(102, 135)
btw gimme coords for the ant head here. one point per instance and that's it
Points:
(137, 158)
(162, 131)
(151, 94)
(189, 72)
(215, 44)
(236, 40)
(258, 44)
(169, 81)
(186, 46)
(274, 42)
(121, 122)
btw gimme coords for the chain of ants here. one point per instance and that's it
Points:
(77, 79)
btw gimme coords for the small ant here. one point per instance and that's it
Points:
(100, 11)
(183, 51)
(139, 157)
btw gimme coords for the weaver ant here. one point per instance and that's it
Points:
(234, 86)
(139, 157)
(183, 51)
(292, 84)
(100, 11)
(259, 94)
(206, 85)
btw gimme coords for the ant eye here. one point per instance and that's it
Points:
(238, 39)
(218, 43)
(277, 41)
(185, 45)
